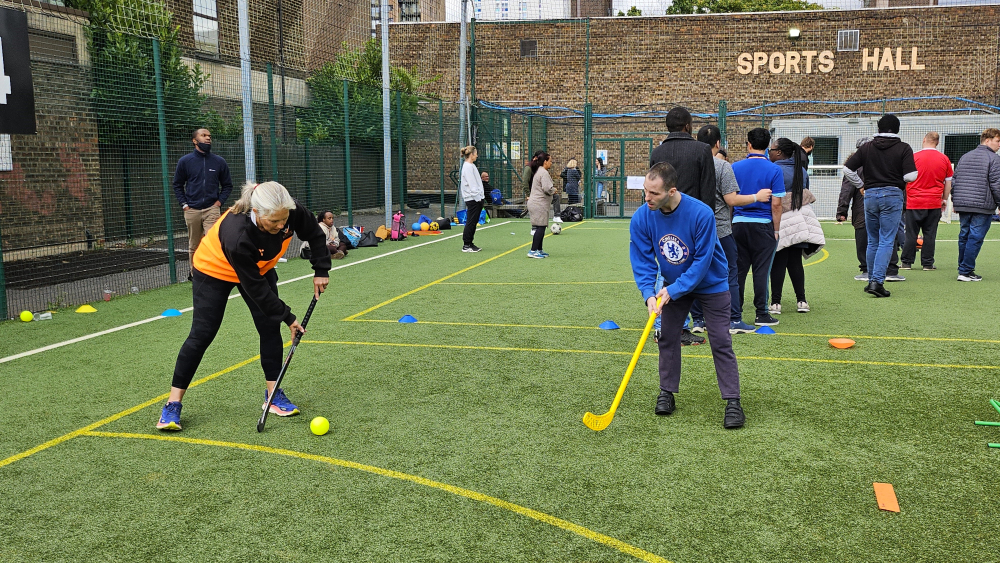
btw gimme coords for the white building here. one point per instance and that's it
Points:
(495, 10)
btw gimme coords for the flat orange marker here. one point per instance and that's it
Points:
(886, 497)
(842, 343)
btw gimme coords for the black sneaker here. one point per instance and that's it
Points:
(905, 266)
(471, 248)
(765, 320)
(970, 277)
(929, 268)
(665, 403)
(877, 289)
(688, 339)
(734, 415)
(656, 335)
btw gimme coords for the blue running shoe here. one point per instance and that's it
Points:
(170, 418)
(740, 327)
(542, 254)
(281, 406)
(698, 325)
(535, 254)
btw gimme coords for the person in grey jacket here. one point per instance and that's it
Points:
(473, 195)
(974, 194)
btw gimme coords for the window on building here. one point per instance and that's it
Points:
(529, 48)
(825, 156)
(52, 47)
(957, 145)
(206, 26)
(848, 40)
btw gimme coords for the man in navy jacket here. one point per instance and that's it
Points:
(197, 182)
(675, 234)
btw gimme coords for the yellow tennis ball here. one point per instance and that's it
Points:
(319, 426)
(424, 226)
(26, 316)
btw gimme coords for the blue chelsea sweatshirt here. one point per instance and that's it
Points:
(684, 245)
(197, 180)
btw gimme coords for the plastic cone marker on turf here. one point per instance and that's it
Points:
(171, 313)
(842, 343)
(86, 309)
(609, 325)
(765, 330)
(408, 319)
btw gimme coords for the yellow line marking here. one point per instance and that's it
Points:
(825, 256)
(573, 327)
(114, 417)
(467, 493)
(537, 283)
(615, 353)
(448, 277)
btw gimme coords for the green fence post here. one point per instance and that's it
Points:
(588, 158)
(722, 122)
(401, 158)
(308, 163)
(531, 137)
(164, 171)
(441, 145)
(270, 114)
(347, 154)
(505, 185)
(3, 287)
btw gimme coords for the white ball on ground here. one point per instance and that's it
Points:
(556, 228)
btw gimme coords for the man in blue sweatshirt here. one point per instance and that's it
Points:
(675, 234)
(197, 182)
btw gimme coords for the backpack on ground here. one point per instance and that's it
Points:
(496, 196)
(571, 215)
(398, 226)
(368, 238)
(444, 224)
(352, 235)
(381, 232)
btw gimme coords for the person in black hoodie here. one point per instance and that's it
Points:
(695, 168)
(197, 182)
(240, 251)
(889, 165)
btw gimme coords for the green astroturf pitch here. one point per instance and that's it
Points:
(459, 438)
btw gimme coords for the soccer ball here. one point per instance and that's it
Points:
(556, 229)
(435, 226)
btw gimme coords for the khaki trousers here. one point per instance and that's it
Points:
(199, 221)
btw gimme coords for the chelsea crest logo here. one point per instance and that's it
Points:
(674, 249)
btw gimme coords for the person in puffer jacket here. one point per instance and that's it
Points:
(975, 192)
(800, 232)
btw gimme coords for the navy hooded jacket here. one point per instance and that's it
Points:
(197, 180)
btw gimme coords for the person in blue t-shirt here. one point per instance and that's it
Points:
(755, 226)
(675, 234)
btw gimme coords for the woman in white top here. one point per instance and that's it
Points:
(337, 247)
(471, 190)
(539, 201)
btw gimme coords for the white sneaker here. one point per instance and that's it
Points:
(532, 232)
(774, 309)
(861, 277)
(557, 219)
(803, 307)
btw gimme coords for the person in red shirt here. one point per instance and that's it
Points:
(924, 199)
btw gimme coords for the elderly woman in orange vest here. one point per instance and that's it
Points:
(240, 251)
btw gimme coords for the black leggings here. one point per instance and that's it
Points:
(536, 239)
(788, 259)
(210, 298)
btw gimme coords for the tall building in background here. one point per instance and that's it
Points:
(408, 11)
(496, 10)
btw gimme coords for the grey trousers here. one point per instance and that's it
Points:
(717, 308)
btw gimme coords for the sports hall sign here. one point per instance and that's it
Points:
(810, 62)
(17, 95)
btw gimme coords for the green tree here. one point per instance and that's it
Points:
(730, 6)
(633, 11)
(323, 120)
(124, 77)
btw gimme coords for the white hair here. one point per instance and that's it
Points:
(266, 198)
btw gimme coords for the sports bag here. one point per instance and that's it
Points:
(352, 235)
(496, 196)
(368, 238)
(571, 215)
(381, 232)
(398, 226)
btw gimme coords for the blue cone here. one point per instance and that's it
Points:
(171, 313)
(408, 319)
(765, 330)
(608, 325)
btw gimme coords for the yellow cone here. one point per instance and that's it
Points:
(86, 309)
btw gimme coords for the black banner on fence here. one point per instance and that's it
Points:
(17, 95)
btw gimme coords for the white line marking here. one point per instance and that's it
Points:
(188, 309)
